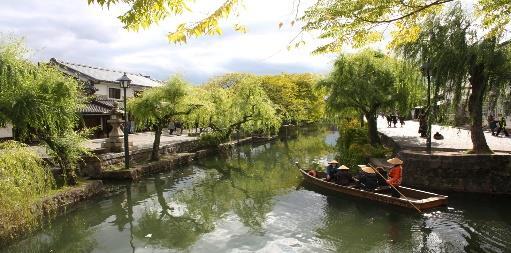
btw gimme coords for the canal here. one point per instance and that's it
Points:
(253, 200)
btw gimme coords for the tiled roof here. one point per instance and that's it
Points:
(100, 105)
(108, 75)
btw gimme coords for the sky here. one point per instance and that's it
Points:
(76, 32)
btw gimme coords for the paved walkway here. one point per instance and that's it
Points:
(454, 138)
(145, 140)
(140, 140)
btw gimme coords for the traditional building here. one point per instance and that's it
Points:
(102, 86)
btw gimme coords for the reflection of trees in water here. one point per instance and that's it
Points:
(71, 229)
(244, 184)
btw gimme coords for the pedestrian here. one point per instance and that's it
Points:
(423, 125)
(395, 175)
(394, 119)
(172, 127)
(179, 126)
(492, 123)
(502, 127)
(389, 120)
(401, 120)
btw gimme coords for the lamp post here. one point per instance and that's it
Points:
(426, 68)
(125, 82)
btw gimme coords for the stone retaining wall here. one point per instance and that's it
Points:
(165, 164)
(93, 166)
(53, 206)
(455, 171)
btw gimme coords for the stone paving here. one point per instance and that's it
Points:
(145, 140)
(139, 140)
(454, 138)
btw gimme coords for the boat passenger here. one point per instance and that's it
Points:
(367, 178)
(395, 175)
(343, 176)
(381, 180)
(331, 169)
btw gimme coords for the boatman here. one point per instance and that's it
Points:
(331, 169)
(395, 175)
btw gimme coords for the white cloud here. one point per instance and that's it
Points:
(90, 35)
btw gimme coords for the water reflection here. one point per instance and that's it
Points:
(253, 200)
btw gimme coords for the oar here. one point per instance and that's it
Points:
(395, 188)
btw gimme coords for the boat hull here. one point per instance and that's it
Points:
(420, 199)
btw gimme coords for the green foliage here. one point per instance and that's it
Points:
(353, 145)
(363, 81)
(243, 106)
(460, 61)
(295, 96)
(361, 22)
(23, 179)
(40, 102)
(158, 106)
(144, 13)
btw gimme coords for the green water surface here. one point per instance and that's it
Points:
(254, 201)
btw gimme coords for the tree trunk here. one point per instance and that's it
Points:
(475, 107)
(155, 154)
(372, 128)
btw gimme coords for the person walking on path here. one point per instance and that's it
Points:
(395, 175)
(502, 127)
(172, 127)
(401, 120)
(492, 123)
(389, 120)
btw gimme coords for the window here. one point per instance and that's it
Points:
(138, 93)
(114, 93)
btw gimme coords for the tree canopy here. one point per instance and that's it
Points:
(143, 13)
(460, 61)
(362, 81)
(41, 103)
(361, 22)
(157, 107)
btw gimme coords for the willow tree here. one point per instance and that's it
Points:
(296, 97)
(143, 13)
(457, 56)
(243, 106)
(157, 107)
(361, 22)
(41, 103)
(362, 81)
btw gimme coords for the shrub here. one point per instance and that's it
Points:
(23, 178)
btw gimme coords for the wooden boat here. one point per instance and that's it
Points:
(421, 199)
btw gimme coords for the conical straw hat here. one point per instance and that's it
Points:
(395, 161)
(343, 167)
(333, 161)
(368, 169)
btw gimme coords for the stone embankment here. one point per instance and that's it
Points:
(449, 167)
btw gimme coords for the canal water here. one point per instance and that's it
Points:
(254, 201)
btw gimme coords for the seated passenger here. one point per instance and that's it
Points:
(331, 169)
(381, 180)
(367, 178)
(343, 176)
